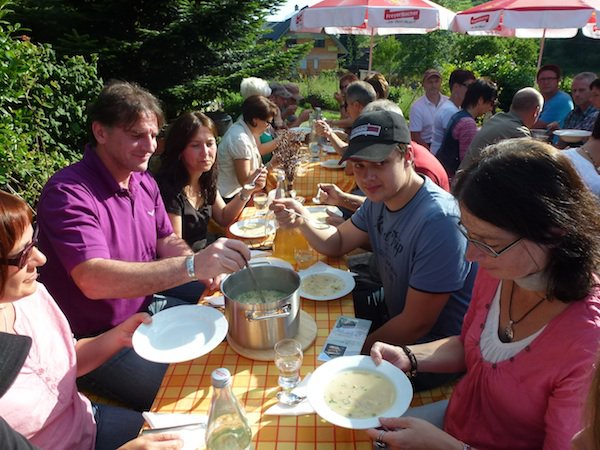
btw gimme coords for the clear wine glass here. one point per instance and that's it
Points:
(288, 359)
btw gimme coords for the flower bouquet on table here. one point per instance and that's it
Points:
(289, 155)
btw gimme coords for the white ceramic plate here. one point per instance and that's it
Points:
(333, 164)
(572, 135)
(324, 374)
(343, 284)
(270, 261)
(252, 228)
(180, 334)
(319, 213)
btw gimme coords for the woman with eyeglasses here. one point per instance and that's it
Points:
(239, 158)
(530, 335)
(43, 403)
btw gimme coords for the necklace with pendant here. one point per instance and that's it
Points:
(589, 155)
(508, 331)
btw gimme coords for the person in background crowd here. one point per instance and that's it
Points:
(586, 159)
(583, 115)
(187, 179)
(532, 228)
(459, 81)
(595, 93)
(524, 110)
(110, 244)
(43, 403)
(239, 159)
(480, 99)
(294, 120)
(424, 108)
(380, 84)
(268, 141)
(557, 103)
(411, 225)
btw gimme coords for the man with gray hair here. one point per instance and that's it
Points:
(358, 95)
(523, 113)
(583, 115)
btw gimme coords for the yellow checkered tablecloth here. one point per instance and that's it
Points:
(186, 388)
(311, 174)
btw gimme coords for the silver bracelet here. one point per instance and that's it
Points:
(189, 266)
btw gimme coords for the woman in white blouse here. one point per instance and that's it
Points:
(586, 159)
(238, 153)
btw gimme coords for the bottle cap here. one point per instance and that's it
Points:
(220, 377)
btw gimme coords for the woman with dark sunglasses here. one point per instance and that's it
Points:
(531, 332)
(43, 404)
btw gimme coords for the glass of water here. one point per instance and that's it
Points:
(260, 203)
(288, 359)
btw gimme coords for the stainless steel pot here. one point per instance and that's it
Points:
(257, 325)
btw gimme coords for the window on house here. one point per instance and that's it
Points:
(290, 42)
(319, 43)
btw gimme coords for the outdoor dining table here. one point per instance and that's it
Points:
(312, 173)
(186, 386)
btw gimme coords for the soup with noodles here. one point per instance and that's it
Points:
(254, 297)
(360, 394)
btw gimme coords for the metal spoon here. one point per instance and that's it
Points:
(261, 294)
(289, 398)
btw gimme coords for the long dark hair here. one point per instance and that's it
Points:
(15, 217)
(529, 188)
(172, 170)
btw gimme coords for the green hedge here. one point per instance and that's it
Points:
(42, 110)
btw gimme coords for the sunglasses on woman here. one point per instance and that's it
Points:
(21, 258)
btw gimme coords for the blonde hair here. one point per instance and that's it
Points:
(254, 86)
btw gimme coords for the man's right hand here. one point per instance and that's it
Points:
(331, 194)
(222, 257)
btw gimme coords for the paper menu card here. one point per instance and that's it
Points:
(346, 338)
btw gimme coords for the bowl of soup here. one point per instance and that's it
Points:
(353, 392)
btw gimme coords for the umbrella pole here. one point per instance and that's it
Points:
(371, 49)
(542, 42)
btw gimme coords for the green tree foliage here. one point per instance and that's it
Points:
(42, 110)
(187, 52)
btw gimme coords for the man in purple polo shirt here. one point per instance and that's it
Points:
(109, 241)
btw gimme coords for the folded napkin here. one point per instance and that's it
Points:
(302, 408)
(192, 436)
(217, 300)
(321, 267)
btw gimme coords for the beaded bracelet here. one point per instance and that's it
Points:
(412, 373)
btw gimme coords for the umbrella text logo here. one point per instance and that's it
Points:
(480, 19)
(411, 14)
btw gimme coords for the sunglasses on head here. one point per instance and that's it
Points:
(21, 258)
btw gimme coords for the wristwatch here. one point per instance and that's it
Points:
(243, 197)
(189, 266)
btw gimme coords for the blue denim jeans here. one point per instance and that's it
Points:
(127, 377)
(115, 426)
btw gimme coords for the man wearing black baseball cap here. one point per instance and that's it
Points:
(411, 225)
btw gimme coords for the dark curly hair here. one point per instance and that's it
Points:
(529, 188)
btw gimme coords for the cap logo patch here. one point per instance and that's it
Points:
(366, 129)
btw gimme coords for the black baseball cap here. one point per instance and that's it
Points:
(375, 135)
(13, 352)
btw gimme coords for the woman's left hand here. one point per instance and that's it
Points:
(124, 331)
(410, 433)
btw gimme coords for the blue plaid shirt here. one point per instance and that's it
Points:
(581, 120)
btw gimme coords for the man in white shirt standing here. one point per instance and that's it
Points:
(425, 107)
(459, 81)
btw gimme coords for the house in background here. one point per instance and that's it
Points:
(324, 54)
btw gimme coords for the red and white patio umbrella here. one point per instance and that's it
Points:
(371, 17)
(529, 19)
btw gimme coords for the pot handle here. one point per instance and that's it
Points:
(284, 311)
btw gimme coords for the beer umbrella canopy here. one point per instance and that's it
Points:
(371, 17)
(529, 19)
